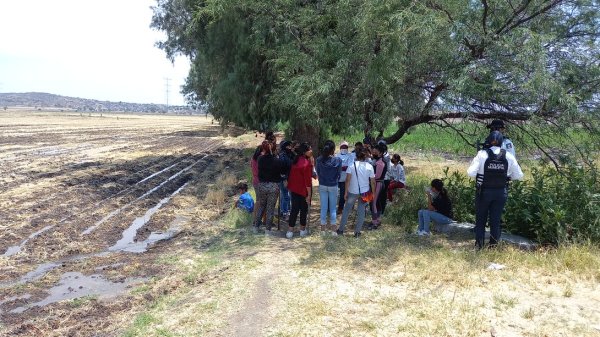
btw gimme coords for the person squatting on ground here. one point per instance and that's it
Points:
(439, 208)
(380, 171)
(347, 159)
(269, 176)
(300, 186)
(286, 155)
(245, 201)
(492, 168)
(507, 144)
(360, 179)
(397, 176)
(329, 169)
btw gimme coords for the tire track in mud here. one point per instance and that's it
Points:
(13, 250)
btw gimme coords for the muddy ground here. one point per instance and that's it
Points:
(88, 203)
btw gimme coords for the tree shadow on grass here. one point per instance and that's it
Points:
(386, 247)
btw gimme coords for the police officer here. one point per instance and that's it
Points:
(507, 144)
(492, 168)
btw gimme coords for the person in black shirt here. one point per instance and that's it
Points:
(270, 169)
(439, 208)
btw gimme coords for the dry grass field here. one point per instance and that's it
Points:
(120, 226)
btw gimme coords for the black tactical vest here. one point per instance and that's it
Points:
(495, 170)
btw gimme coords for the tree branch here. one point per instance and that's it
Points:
(404, 125)
(484, 16)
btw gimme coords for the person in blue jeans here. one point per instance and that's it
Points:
(329, 169)
(439, 208)
(360, 180)
(286, 155)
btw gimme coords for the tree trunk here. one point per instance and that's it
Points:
(306, 133)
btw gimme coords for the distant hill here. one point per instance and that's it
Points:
(41, 100)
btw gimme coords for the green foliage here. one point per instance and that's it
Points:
(556, 207)
(356, 65)
(407, 203)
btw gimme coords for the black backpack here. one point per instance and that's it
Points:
(495, 170)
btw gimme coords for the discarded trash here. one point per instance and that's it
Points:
(496, 266)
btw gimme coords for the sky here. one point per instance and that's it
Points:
(97, 49)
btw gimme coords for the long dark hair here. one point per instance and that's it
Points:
(361, 154)
(301, 150)
(439, 185)
(397, 158)
(328, 149)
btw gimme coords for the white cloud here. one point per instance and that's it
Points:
(92, 49)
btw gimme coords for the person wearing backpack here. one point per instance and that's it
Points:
(492, 168)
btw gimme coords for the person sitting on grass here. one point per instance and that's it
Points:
(439, 208)
(245, 201)
(397, 176)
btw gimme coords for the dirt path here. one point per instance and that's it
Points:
(253, 317)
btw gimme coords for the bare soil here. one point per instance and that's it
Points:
(63, 174)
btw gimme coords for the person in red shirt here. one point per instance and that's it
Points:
(300, 186)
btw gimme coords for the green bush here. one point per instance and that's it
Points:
(403, 212)
(556, 207)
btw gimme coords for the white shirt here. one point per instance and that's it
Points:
(477, 165)
(365, 172)
(347, 160)
(508, 145)
(397, 173)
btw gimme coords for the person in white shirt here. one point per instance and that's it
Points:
(507, 144)
(360, 179)
(397, 176)
(492, 168)
(347, 159)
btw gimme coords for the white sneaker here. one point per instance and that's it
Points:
(304, 233)
(334, 233)
(267, 232)
(289, 235)
(423, 233)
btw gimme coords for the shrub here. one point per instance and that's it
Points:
(403, 212)
(556, 206)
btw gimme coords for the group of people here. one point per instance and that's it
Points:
(368, 176)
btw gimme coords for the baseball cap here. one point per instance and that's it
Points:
(496, 124)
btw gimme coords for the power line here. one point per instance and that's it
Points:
(167, 88)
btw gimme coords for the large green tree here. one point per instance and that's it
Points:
(346, 64)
